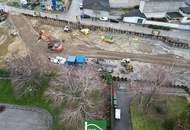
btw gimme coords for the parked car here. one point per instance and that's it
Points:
(104, 18)
(84, 16)
(81, 5)
(114, 20)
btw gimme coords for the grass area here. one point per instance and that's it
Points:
(154, 120)
(7, 96)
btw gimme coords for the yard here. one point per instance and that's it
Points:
(158, 118)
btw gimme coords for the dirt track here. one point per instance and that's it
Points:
(29, 36)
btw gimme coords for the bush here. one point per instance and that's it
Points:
(158, 27)
(4, 73)
(169, 124)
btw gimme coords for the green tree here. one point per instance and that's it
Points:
(183, 121)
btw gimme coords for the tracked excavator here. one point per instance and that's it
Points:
(54, 45)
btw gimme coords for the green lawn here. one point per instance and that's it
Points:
(7, 96)
(153, 120)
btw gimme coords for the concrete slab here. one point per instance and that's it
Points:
(24, 118)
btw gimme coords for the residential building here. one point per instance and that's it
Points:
(185, 12)
(96, 8)
(134, 16)
(159, 8)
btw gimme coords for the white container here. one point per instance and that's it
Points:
(117, 114)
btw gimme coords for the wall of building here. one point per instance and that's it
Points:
(133, 19)
(185, 20)
(160, 8)
(155, 15)
(96, 13)
(123, 3)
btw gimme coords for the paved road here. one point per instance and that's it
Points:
(124, 97)
(123, 103)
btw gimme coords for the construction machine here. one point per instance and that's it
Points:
(3, 15)
(126, 63)
(54, 45)
(107, 38)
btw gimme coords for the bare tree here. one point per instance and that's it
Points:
(80, 89)
(149, 80)
(26, 72)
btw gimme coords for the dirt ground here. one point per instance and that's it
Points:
(9, 44)
(122, 42)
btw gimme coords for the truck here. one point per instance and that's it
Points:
(117, 113)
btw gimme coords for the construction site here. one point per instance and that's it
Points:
(22, 33)
(124, 55)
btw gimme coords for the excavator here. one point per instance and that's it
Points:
(54, 45)
(126, 63)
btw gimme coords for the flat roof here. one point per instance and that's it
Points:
(96, 5)
(163, 0)
(134, 13)
(185, 10)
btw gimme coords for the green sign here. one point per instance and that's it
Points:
(95, 125)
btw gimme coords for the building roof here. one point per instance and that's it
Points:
(163, 0)
(96, 4)
(185, 10)
(187, 2)
(134, 13)
(174, 15)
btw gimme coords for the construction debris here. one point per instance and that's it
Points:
(57, 60)
(85, 31)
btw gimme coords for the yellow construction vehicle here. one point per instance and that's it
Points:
(107, 38)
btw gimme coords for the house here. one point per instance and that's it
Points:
(96, 8)
(185, 12)
(134, 16)
(187, 2)
(124, 3)
(159, 8)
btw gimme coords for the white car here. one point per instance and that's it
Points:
(104, 18)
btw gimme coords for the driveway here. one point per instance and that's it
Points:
(124, 99)
(24, 118)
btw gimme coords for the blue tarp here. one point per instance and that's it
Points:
(109, 37)
(80, 59)
(71, 60)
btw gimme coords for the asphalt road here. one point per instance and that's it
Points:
(123, 103)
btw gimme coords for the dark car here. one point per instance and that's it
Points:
(114, 20)
(84, 16)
